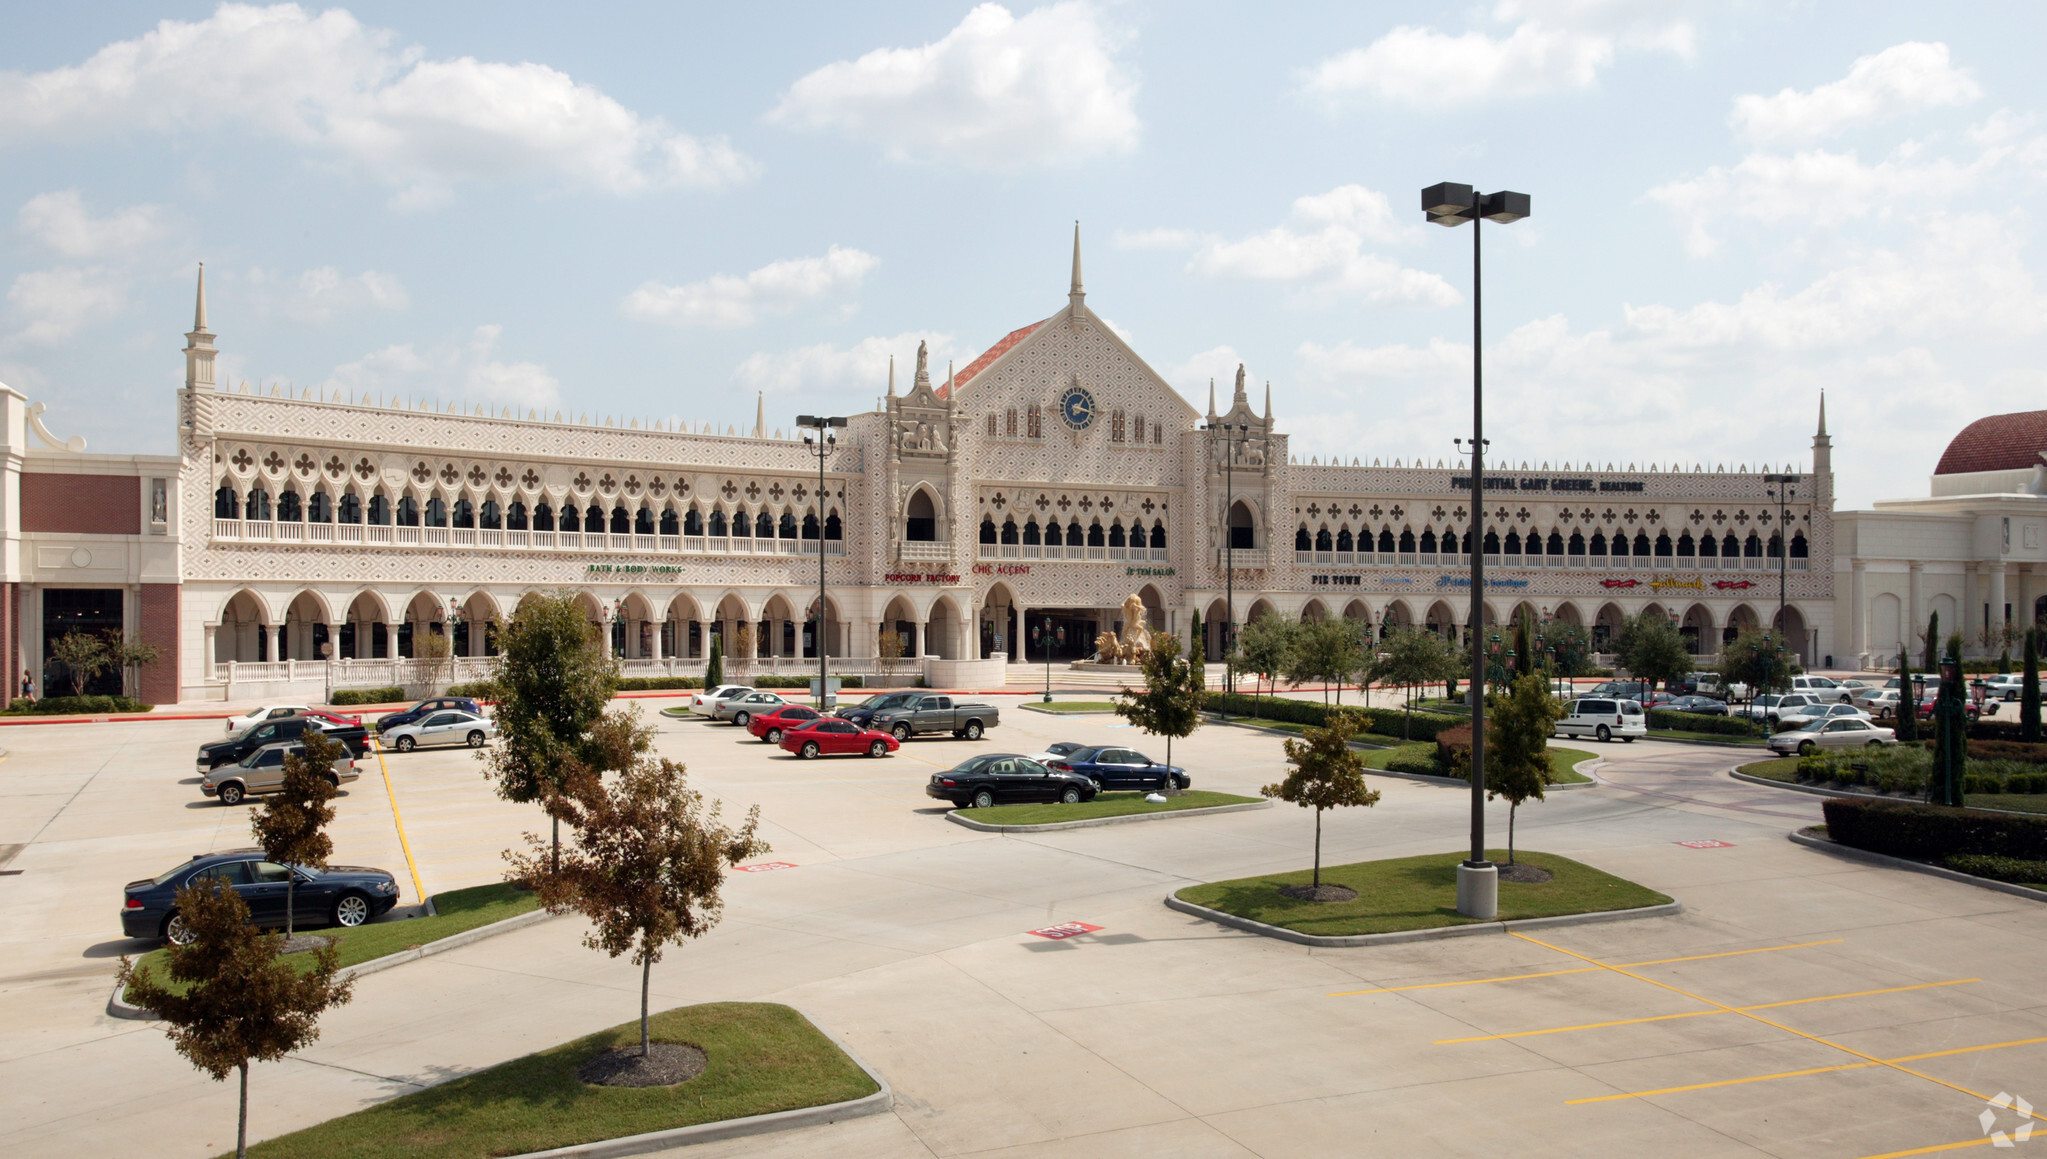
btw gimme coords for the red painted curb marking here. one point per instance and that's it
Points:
(1064, 930)
(1707, 844)
(764, 866)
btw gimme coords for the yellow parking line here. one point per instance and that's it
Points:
(1582, 969)
(1788, 1074)
(1932, 1150)
(1703, 1013)
(418, 890)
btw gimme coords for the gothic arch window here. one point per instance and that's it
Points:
(1158, 534)
(920, 519)
(380, 510)
(259, 503)
(1326, 542)
(1094, 534)
(320, 508)
(465, 514)
(571, 519)
(621, 521)
(1577, 545)
(742, 524)
(1034, 422)
(1776, 547)
(1709, 547)
(1009, 532)
(1385, 542)
(1428, 543)
(436, 512)
(1009, 422)
(1052, 534)
(1137, 428)
(1074, 535)
(788, 526)
(1407, 540)
(833, 529)
(693, 522)
(1729, 546)
(1513, 543)
(515, 516)
(289, 509)
(987, 530)
(1492, 543)
(226, 503)
(351, 508)
(1158, 434)
(1641, 544)
(543, 517)
(408, 511)
(1032, 536)
(1243, 526)
(717, 524)
(1116, 426)
(1137, 533)
(1344, 542)
(669, 524)
(810, 525)
(1686, 545)
(1556, 543)
(1798, 548)
(1752, 547)
(763, 525)
(1301, 540)
(593, 519)
(1662, 544)
(643, 522)
(490, 515)
(1116, 536)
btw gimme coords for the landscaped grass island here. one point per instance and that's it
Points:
(1113, 804)
(760, 1058)
(1418, 893)
(1420, 758)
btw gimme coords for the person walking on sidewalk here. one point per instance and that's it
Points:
(28, 685)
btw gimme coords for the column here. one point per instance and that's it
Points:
(283, 631)
(1858, 613)
(1997, 617)
(391, 640)
(655, 641)
(704, 640)
(1917, 610)
(211, 655)
(1971, 615)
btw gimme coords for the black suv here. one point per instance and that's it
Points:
(863, 713)
(270, 732)
(340, 895)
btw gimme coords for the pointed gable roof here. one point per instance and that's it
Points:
(989, 356)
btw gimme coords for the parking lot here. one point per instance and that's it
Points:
(1802, 1005)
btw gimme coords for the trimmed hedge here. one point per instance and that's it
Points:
(474, 690)
(802, 682)
(1383, 721)
(1700, 722)
(73, 705)
(1996, 868)
(1986, 749)
(1934, 833)
(390, 695)
(657, 683)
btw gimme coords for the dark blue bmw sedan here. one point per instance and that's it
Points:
(340, 895)
(1111, 768)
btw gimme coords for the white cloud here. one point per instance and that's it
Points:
(317, 295)
(1553, 46)
(1193, 377)
(727, 301)
(1325, 252)
(997, 92)
(349, 92)
(1901, 79)
(463, 368)
(1441, 359)
(855, 369)
(59, 221)
(54, 305)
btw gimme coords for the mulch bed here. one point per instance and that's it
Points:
(664, 1065)
(303, 943)
(1527, 874)
(1323, 892)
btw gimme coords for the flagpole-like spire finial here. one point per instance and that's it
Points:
(199, 306)
(1076, 294)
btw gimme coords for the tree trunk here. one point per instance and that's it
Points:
(556, 865)
(291, 882)
(242, 1118)
(646, 972)
(1318, 849)
(1513, 807)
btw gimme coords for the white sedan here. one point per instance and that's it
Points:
(706, 703)
(1797, 717)
(1835, 733)
(236, 724)
(451, 726)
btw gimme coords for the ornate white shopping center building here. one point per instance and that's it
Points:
(295, 543)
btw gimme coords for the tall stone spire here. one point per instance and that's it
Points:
(760, 415)
(1211, 396)
(199, 350)
(891, 376)
(1822, 444)
(1268, 401)
(1075, 295)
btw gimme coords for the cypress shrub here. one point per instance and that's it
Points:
(2029, 690)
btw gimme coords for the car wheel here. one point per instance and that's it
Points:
(1604, 734)
(973, 730)
(405, 744)
(476, 739)
(742, 719)
(352, 910)
(230, 794)
(902, 733)
(1096, 782)
(809, 749)
(1071, 796)
(1805, 748)
(983, 799)
(878, 749)
(175, 931)
(773, 736)
(333, 782)
(1875, 744)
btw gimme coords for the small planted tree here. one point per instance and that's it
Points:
(1652, 650)
(1325, 651)
(1266, 647)
(1409, 657)
(888, 652)
(1930, 657)
(1327, 774)
(436, 655)
(130, 655)
(714, 668)
(1170, 703)
(743, 649)
(239, 1000)
(83, 655)
(649, 861)
(291, 826)
(2029, 690)
(1517, 746)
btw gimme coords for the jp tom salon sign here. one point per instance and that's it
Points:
(1550, 483)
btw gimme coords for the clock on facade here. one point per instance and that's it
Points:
(1077, 407)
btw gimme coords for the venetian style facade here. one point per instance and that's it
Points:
(297, 543)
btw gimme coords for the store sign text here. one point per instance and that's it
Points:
(915, 577)
(636, 568)
(1151, 571)
(1342, 581)
(1002, 569)
(1458, 581)
(1511, 483)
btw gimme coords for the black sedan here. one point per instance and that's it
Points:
(1108, 767)
(340, 895)
(1005, 778)
(1699, 705)
(425, 708)
(862, 713)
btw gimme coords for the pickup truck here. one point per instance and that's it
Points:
(936, 713)
(863, 713)
(270, 732)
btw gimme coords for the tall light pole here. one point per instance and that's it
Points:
(1233, 434)
(821, 437)
(1450, 204)
(1783, 488)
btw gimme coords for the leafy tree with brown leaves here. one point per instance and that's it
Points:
(1327, 774)
(291, 825)
(241, 999)
(649, 860)
(552, 682)
(1171, 701)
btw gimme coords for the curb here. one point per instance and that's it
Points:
(1091, 822)
(1817, 791)
(880, 1102)
(1711, 744)
(1832, 846)
(119, 1008)
(1668, 909)
(1039, 708)
(1583, 768)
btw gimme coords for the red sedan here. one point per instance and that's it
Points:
(769, 726)
(832, 737)
(334, 717)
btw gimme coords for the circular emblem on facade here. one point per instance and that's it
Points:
(80, 557)
(1077, 407)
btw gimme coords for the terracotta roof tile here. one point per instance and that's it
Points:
(2010, 442)
(1009, 340)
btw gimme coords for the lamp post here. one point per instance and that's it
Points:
(1045, 634)
(1233, 435)
(821, 436)
(1783, 488)
(1450, 204)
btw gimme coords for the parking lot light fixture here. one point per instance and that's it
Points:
(1448, 203)
(821, 437)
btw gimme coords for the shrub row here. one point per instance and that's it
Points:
(1700, 722)
(1383, 721)
(1997, 868)
(801, 682)
(67, 705)
(1420, 762)
(1987, 749)
(474, 690)
(390, 695)
(1934, 833)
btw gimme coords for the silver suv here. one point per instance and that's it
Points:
(262, 772)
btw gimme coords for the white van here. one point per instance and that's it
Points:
(1604, 718)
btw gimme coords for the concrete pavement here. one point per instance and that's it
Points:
(1160, 1034)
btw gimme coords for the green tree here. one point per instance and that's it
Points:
(1327, 774)
(552, 682)
(648, 864)
(888, 651)
(714, 668)
(1566, 644)
(435, 652)
(1411, 657)
(1929, 657)
(1170, 704)
(1197, 648)
(2029, 690)
(743, 649)
(1652, 650)
(1908, 704)
(291, 825)
(1517, 746)
(83, 655)
(1265, 647)
(1753, 659)
(1325, 651)
(130, 654)
(229, 997)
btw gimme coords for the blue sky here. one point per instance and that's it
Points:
(660, 211)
